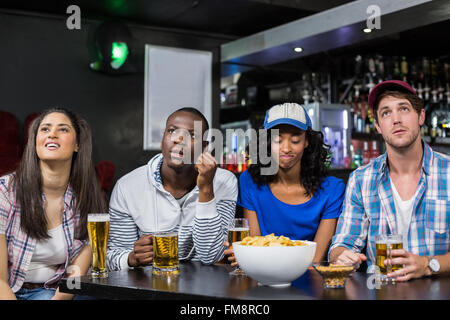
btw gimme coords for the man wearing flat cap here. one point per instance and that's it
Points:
(404, 191)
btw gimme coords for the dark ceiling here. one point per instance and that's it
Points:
(235, 18)
(232, 19)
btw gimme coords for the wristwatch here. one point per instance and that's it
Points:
(433, 264)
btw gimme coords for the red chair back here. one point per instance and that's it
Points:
(10, 146)
(105, 174)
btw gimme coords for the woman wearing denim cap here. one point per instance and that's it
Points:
(299, 200)
(44, 206)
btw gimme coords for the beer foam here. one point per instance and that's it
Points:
(165, 234)
(239, 229)
(98, 217)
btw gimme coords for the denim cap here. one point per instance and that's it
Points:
(287, 113)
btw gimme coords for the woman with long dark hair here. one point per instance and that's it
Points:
(299, 200)
(44, 207)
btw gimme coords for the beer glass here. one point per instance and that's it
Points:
(165, 253)
(98, 229)
(384, 244)
(238, 230)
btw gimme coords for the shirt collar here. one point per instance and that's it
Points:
(427, 160)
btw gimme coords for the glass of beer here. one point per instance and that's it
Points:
(98, 229)
(238, 230)
(165, 253)
(384, 244)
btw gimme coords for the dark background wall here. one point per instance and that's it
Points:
(43, 64)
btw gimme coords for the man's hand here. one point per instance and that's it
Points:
(347, 256)
(206, 166)
(142, 255)
(414, 266)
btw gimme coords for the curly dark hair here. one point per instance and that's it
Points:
(313, 164)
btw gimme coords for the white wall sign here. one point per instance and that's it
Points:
(174, 78)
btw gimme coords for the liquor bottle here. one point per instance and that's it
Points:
(366, 153)
(358, 158)
(424, 130)
(371, 65)
(434, 124)
(434, 68)
(426, 91)
(374, 152)
(352, 157)
(370, 120)
(360, 121)
(404, 69)
(397, 75)
(426, 66)
(389, 66)
(434, 95)
(352, 113)
(371, 84)
(420, 90)
(447, 71)
(440, 90)
(244, 160)
(447, 93)
(223, 163)
(413, 72)
(379, 67)
(230, 162)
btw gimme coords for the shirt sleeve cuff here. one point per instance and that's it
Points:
(123, 262)
(206, 210)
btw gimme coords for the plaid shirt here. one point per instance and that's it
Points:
(21, 246)
(369, 208)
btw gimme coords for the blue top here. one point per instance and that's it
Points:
(296, 221)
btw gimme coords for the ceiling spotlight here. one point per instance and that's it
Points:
(367, 30)
(298, 49)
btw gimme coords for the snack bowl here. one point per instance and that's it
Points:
(275, 266)
(334, 275)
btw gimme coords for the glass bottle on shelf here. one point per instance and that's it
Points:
(366, 153)
(223, 163)
(404, 69)
(374, 152)
(397, 75)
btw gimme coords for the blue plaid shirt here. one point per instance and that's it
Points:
(369, 208)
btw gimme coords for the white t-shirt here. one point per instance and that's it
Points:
(403, 213)
(47, 256)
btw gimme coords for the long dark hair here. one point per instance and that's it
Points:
(313, 163)
(27, 180)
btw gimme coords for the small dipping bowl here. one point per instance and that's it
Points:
(333, 275)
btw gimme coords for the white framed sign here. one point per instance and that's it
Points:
(174, 78)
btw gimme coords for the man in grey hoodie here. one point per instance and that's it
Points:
(194, 198)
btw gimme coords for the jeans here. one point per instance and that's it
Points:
(35, 294)
(43, 294)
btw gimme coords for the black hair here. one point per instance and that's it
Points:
(195, 112)
(313, 163)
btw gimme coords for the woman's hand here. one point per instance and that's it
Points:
(62, 296)
(230, 254)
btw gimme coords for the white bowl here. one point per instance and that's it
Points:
(274, 266)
